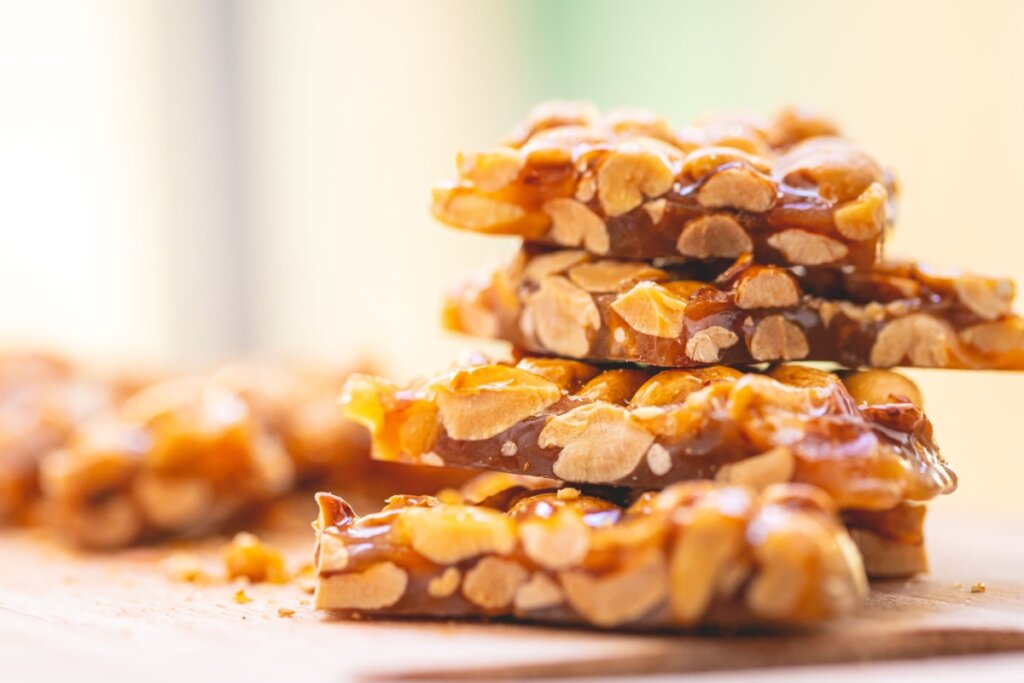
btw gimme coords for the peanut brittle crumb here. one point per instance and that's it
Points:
(241, 597)
(978, 587)
(248, 556)
(285, 612)
(186, 567)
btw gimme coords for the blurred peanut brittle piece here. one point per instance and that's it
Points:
(299, 405)
(181, 457)
(569, 303)
(43, 397)
(867, 442)
(626, 184)
(193, 455)
(695, 554)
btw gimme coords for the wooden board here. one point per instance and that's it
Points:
(81, 617)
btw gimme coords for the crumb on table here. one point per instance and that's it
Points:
(187, 567)
(246, 555)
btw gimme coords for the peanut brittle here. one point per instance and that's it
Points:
(696, 554)
(627, 185)
(299, 406)
(183, 456)
(866, 443)
(42, 398)
(572, 304)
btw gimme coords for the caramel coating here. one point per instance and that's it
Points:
(695, 554)
(688, 315)
(645, 429)
(628, 185)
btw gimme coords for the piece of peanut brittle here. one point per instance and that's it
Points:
(695, 554)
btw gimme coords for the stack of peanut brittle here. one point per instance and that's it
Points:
(655, 457)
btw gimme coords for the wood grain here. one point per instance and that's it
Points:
(85, 617)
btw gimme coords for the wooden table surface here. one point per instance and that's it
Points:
(67, 616)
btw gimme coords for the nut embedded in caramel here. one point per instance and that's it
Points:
(478, 403)
(805, 248)
(714, 236)
(574, 225)
(599, 442)
(561, 316)
(638, 168)
(651, 309)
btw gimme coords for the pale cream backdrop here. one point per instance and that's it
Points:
(185, 180)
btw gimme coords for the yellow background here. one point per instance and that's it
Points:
(182, 181)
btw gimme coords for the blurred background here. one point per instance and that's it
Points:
(186, 180)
